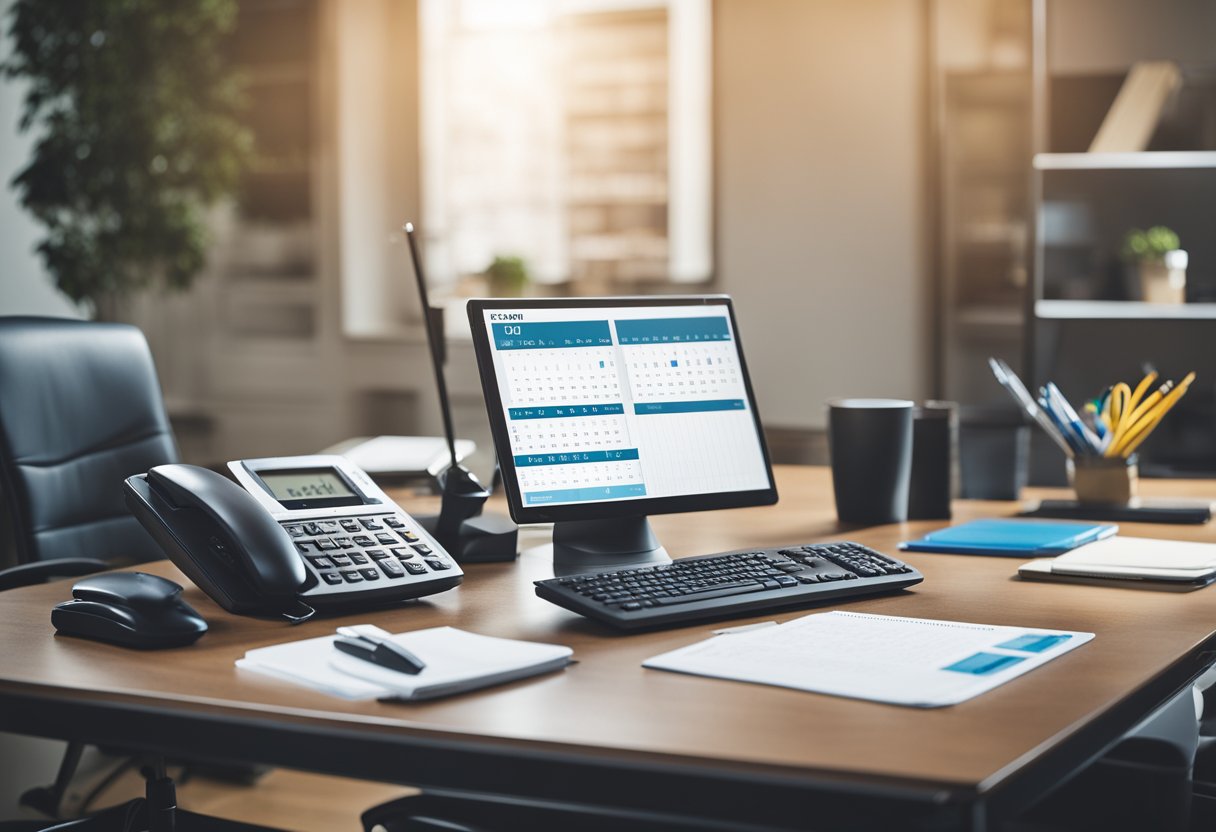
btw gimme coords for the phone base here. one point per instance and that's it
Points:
(486, 538)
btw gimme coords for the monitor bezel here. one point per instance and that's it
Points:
(520, 513)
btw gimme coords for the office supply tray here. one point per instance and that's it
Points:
(728, 584)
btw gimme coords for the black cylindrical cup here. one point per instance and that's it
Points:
(934, 439)
(870, 441)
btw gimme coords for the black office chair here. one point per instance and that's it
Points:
(80, 410)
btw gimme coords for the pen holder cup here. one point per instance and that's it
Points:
(1108, 481)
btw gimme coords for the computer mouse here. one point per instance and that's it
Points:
(133, 609)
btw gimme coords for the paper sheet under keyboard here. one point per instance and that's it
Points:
(903, 661)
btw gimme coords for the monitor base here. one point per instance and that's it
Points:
(581, 546)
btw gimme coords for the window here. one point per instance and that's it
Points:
(572, 133)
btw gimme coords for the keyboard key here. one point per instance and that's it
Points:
(403, 554)
(378, 554)
(349, 525)
(358, 559)
(344, 542)
(393, 522)
(421, 548)
(370, 574)
(414, 568)
(294, 529)
(364, 540)
(370, 523)
(392, 568)
(352, 576)
(327, 527)
(437, 565)
(331, 578)
(340, 559)
(322, 563)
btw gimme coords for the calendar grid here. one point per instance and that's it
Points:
(624, 408)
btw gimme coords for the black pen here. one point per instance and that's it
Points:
(380, 652)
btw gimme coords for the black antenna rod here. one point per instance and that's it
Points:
(432, 338)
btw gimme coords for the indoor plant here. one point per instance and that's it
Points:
(135, 109)
(1159, 262)
(508, 276)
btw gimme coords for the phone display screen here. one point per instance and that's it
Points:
(312, 486)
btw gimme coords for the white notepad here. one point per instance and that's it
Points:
(904, 661)
(456, 661)
(1131, 558)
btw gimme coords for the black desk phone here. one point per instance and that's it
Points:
(303, 533)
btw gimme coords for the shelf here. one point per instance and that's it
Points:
(1063, 310)
(1163, 159)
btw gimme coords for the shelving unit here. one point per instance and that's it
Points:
(1086, 323)
(1144, 160)
(1122, 310)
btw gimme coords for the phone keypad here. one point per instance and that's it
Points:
(364, 550)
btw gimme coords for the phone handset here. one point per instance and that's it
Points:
(224, 541)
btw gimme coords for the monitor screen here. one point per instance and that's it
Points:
(643, 405)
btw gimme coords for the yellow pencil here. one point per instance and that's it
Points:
(1141, 389)
(1132, 439)
(1120, 409)
(1149, 401)
(1116, 407)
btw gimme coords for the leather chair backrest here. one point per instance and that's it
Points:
(80, 411)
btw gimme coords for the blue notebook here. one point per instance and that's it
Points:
(1011, 538)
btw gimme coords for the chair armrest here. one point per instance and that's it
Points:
(36, 573)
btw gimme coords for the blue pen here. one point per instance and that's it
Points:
(1087, 439)
(1061, 424)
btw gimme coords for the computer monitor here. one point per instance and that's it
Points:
(606, 410)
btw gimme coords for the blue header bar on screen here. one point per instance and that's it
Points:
(551, 335)
(575, 457)
(644, 408)
(566, 411)
(672, 330)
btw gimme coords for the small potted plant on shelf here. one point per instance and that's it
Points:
(508, 276)
(1160, 263)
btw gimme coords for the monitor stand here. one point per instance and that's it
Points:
(581, 546)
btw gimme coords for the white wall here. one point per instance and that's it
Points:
(820, 195)
(24, 287)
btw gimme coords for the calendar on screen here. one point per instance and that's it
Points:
(619, 403)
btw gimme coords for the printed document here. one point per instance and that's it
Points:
(903, 661)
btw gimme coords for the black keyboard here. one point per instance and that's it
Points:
(729, 584)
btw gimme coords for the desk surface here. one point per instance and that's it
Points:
(607, 708)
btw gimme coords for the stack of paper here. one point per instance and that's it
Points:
(456, 661)
(1131, 558)
(904, 661)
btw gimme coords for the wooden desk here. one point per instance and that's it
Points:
(607, 731)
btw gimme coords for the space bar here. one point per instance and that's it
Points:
(718, 592)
